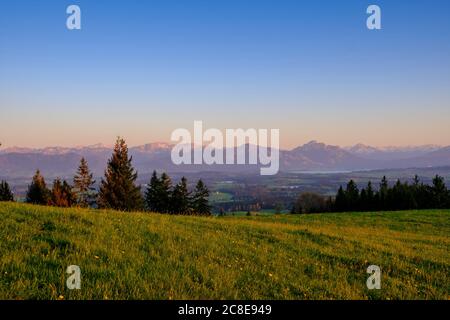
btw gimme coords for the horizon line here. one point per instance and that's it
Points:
(111, 146)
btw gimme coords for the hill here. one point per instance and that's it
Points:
(151, 256)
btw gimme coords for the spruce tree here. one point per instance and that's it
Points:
(340, 202)
(57, 198)
(200, 203)
(363, 200)
(352, 195)
(395, 196)
(68, 194)
(37, 191)
(416, 181)
(152, 194)
(118, 190)
(165, 192)
(5, 192)
(370, 197)
(83, 184)
(180, 198)
(157, 195)
(383, 203)
(62, 194)
(439, 193)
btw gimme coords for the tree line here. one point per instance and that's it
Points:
(118, 190)
(399, 196)
(162, 197)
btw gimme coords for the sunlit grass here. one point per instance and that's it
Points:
(152, 256)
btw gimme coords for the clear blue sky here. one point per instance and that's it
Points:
(141, 69)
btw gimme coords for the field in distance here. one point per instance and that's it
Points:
(153, 256)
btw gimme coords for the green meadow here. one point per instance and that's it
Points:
(153, 256)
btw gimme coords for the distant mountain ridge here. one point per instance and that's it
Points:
(55, 150)
(312, 156)
(391, 152)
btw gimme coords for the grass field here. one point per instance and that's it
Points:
(151, 256)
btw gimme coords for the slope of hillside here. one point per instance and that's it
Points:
(150, 256)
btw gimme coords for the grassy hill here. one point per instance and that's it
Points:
(151, 256)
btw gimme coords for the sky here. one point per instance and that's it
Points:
(141, 69)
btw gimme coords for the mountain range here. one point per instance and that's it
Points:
(312, 156)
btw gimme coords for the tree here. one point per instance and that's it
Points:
(309, 202)
(383, 195)
(439, 193)
(180, 198)
(5, 192)
(200, 203)
(352, 195)
(422, 194)
(416, 181)
(401, 196)
(165, 192)
(62, 194)
(157, 195)
(118, 190)
(363, 200)
(68, 194)
(152, 193)
(340, 202)
(370, 194)
(37, 191)
(83, 185)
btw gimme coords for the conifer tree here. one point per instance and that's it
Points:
(341, 200)
(370, 197)
(62, 194)
(439, 193)
(68, 194)
(416, 181)
(5, 192)
(422, 194)
(363, 200)
(165, 192)
(152, 193)
(57, 198)
(352, 194)
(200, 203)
(118, 190)
(401, 196)
(180, 198)
(158, 194)
(383, 194)
(83, 184)
(37, 191)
